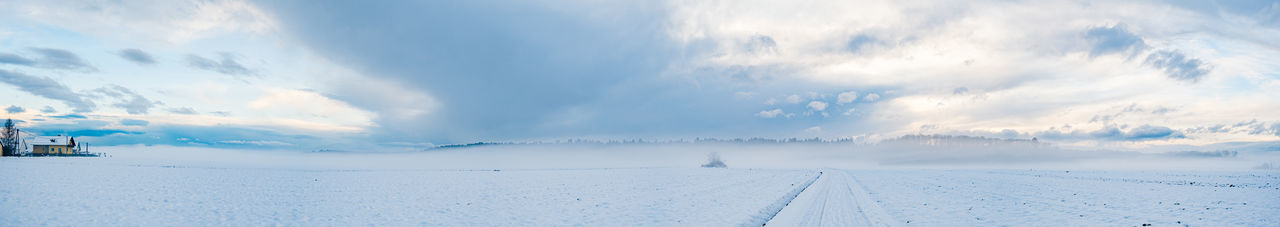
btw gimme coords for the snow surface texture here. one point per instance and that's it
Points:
(175, 187)
(86, 192)
(1076, 198)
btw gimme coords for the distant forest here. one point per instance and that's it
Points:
(925, 140)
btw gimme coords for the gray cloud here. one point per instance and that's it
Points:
(183, 110)
(130, 101)
(48, 109)
(1118, 40)
(227, 65)
(861, 42)
(137, 56)
(9, 58)
(14, 109)
(50, 58)
(1114, 40)
(762, 45)
(61, 59)
(48, 88)
(1115, 133)
(1252, 127)
(1178, 66)
(494, 79)
(69, 116)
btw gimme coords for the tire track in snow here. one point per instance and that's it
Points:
(835, 199)
(777, 207)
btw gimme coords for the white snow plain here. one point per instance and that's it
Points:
(86, 192)
(158, 186)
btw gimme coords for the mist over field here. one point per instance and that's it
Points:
(979, 154)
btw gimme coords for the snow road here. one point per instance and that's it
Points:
(835, 199)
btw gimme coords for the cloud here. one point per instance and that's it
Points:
(1178, 66)
(620, 68)
(1251, 127)
(69, 116)
(872, 97)
(227, 65)
(14, 109)
(211, 136)
(9, 58)
(1112, 132)
(137, 56)
(1118, 40)
(771, 113)
(849, 112)
(846, 97)
(134, 122)
(1148, 132)
(49, 58)
(817, 105)
(1115, 39)
(48, 109)
(793, 99)
(61, 59)
(48, 88)
(147, 22)
(132, 102)
(183, 110)
(861, 42)
(571, 71)
(255, 142)
(762, 45)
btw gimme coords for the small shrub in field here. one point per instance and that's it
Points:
(713, 161)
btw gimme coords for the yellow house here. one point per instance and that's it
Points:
(52, 145)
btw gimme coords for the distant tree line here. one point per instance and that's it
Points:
(926, 140)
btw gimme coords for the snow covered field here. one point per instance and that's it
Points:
(82, 192)
(393, 189)
(1076, 198)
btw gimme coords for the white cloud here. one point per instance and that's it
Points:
(176, 22)
(814, 129)
(772, 113)
(818, 105)
(849, 112)
(793, 99)
(846, 97)
(307, 106)
(872, 97)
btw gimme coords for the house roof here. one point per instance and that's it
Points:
(51, 140)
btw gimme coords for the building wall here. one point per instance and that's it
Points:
(50, 150)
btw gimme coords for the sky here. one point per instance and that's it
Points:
(403, 75)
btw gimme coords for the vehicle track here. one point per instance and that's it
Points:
(835, 199)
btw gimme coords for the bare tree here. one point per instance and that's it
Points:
(9, 139)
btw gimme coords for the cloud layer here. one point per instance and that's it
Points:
(413, 73)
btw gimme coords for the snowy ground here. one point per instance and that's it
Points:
(55, 191)
(1036, 198)
(1076, 198)
(435, 189)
